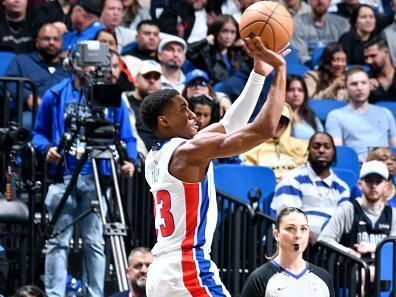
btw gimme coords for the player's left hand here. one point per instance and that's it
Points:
(127, 169)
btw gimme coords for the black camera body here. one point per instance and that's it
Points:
(13, 136)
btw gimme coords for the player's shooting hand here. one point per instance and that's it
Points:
(127, 169)
(53, 156)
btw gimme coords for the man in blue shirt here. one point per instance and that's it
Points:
(60, 103)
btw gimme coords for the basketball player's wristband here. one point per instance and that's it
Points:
(240, 111)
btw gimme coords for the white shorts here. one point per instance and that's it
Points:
(177, 275)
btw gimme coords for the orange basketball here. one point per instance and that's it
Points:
(268, 20)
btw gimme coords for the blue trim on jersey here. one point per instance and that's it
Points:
(317, 213)
(303, 179)
(289, 190)
(201, 239)
(160, 144)
(296, 276)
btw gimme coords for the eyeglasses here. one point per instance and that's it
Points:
(48, 38)
(198, 83)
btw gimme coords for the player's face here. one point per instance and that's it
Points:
(358, 87)
(293, 232)
(203, 113)
(373, 187)
(180, 120)
(295, 94)
(137, 268)
(321, 151)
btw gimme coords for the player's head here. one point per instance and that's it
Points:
(291, 231)
(139, 260)
(373, 177)
(167, 114)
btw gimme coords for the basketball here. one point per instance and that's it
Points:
(268, 20)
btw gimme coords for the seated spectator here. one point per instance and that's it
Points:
(316, 29)
(363, 25)
(3, 270)
(206, 110)
(220, 54)
(305, 123)
(359, 124)
(139, 261)
(383, 76)
(29, 291)
(148, 80)
(358, 226)
(44, 67)
(282, 153)
(187, 19)
(385, 155)
(313, 187)
(134, 14)
(171, 55)
(15, 27)
(329, 80)
(296, 7)
(390, 35)
(85, 22)
(111, 17)
(197, 83)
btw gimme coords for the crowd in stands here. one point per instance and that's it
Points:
(193, 46)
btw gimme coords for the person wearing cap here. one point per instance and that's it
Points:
(313, 187)
(358, 226)
(171, 55)
(283, 152)
(197, 83)
(147, 81)
(85, 22)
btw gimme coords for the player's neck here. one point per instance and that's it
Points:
(291, 262)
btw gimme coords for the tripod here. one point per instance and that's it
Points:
(114, 230)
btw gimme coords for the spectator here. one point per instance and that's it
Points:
(304, 121)
(3, 270)
(346, 7)
(148, 80)
(139, 261)
(16, 33)
(55, 116)
(44, 67)
(111, 17)
(187, 19)
(385, 155)
(29, 291)
(363, 25)
(85, 22)
(383, 77)
(231, 7)
(134, 14)
(206, 110)
(171, 55)
(282, 153)
(358, 226)
(328, 81)
(288, 274)
(316, 28)
(358, 124)
(390, 35)
(313, 187)
(219, 54)
(197, 83)
(296, 7)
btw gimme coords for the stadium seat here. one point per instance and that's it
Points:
(5, 58)
(347, 175)
(296, 69)
(347, 158)
(391, 105)
(292, 58)
(385, 256)
(316, 55)
(238, 180)
(321, 107)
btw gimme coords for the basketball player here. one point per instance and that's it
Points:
(180, 174)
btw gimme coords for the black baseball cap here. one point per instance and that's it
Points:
(91, 6)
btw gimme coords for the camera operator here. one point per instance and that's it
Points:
(60, 103)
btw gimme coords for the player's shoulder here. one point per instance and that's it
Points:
(264, 272)
(320, 272)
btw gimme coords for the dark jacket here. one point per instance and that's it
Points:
(206, 57)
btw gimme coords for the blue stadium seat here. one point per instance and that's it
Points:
(385, 266)
(316, 55)
(239, 180)
(347, 175)
(391, 105)
(5, 58)
(321, 107)
(347, 158)
(296, 69)
(292, 58)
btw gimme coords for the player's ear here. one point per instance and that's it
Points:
(162, 121)
(275, 232)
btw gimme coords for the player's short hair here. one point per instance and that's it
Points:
(154, 104)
